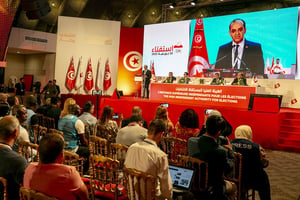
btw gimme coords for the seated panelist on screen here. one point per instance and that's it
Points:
(185, 79)
(170, 78)
(239, 80)
(217, 80)
(240, 53)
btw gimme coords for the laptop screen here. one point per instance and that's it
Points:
(181, 177)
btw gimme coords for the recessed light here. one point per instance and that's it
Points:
(18, 52)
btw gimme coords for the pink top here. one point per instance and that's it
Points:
(56, 180)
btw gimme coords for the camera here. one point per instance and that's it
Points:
(207, 111)
(165, 105)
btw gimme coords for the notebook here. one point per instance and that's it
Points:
(181, 177)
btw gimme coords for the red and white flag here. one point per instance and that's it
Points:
(89, 82)
(107, 76)
(70, 79)
(79, 75)
(198, 59)
(277, 85)
(98, 83)
(271, 70)
(293, 101)
(152, 71)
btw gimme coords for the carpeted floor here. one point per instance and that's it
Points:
(284, 174)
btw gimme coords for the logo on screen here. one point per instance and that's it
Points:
(167, 50)
(132, 61)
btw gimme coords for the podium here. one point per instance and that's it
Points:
(138, 79)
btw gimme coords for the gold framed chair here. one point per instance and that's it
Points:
(236, 176)
(118, 152)
(200, 182)
(38, 132)
(73, 159)
(98, 146)
(105, 182)
(53, 130)
(4, 185)
(40, 119)
(29, 151)
(173, 147)
(138, 185)
(49, 122)
(29, 194)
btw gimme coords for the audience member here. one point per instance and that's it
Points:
(42, 109)
(254, 161)
(65, 111)
(57, 88)
(135, 111)
(49, 90)
(53, 110)
(87, 116)
(12, 165)
(108, 124)
(187, 125)
(3, 98)
(50, 176)
(20, 112)
(145, 156)
(31, 105)
(74, 133)
(4, 109)
(12, 101)
(133, 132)
(162, 113)
(219, 158)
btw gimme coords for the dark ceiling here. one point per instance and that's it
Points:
(137, 13)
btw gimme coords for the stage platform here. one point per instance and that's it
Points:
(280, 130)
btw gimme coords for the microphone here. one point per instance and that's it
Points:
(218, 60)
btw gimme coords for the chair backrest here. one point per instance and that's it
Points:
(29, 194)
(118, 152)
(236, 175)
(29, 151)
(38, 132)
(52, 130)
(98, 146)
(104, 173)
(138, 185)
(40, 119)
(49, 122)
(173, 147)
(4, 187)
(87, 131)
(200, 181)
(73, 159)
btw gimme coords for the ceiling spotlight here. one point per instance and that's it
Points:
(193, 3)
(173, 5)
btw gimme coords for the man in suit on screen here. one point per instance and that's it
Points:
(240, 53)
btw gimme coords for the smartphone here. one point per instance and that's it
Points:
(207, 111)
(116, 116)
(165, 105)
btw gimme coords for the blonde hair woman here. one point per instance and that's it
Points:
(162, 113)
(68, 101)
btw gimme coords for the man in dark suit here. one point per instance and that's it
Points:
(219, 158)
(239, 80)
(146, 81)
(217, 80)
(240, 53)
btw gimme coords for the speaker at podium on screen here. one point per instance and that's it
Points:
(265, 103)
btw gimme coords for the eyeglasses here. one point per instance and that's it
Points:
(241, 29)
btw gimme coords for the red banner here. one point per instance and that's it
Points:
(130, 60)
(225, 96)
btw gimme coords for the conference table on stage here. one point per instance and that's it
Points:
(206, 95)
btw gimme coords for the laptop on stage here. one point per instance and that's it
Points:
(181, 178)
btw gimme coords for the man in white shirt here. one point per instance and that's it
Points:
(146, 156)
(133, 132)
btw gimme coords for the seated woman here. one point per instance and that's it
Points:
(187, 125)
(253, 162)
(108, 126)
(162, 113)
(65, 111)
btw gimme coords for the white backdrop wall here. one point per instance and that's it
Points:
(89, 39)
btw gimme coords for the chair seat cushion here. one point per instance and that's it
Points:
(107, 195)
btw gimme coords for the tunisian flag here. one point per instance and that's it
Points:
(70, 79)
(198, 59)
(79, 75)
(107, 77)
(152, 71)
(89, 82)
(98, 83)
